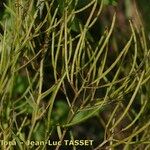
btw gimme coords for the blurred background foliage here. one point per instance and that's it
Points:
(40, 101)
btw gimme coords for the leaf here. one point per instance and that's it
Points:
(110, 2)
(83, 115)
